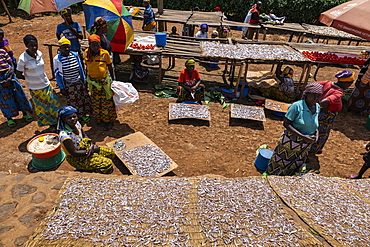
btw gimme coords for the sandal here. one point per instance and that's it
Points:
(28, 118)
(11, 123)
(352, 176)
(86, 119)
(319, 152)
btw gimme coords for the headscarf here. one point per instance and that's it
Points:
(190, 62)
(64, 41)
(29, 38)
(312, 87)
(66, 11)
(99, 22)
(62, 114)
(286, 72)
(92, 38)
(345, 76)
(204, 26)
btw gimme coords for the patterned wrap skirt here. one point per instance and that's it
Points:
(104, 109)
(98, 162)
(360, 98)
(289, 155)
(326, 121)
(46, 104)
(185, 95)
(78, 97)
(13, 99)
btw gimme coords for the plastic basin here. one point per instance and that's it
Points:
(44, 155)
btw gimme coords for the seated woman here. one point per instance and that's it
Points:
(285, 91)
(139, 73)
(81, 153)
(189, 88)
(301, 123)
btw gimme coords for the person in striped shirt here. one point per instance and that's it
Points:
(70, 78)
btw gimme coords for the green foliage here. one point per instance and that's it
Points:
(300, 11)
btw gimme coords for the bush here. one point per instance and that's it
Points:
(300, 11)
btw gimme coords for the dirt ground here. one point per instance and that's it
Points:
(222, 147)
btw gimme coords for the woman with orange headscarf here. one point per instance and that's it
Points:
(98, 63)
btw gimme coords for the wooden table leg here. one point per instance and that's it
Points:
(316, 71)
(349, 42)
(51, 61)
(339, 41)
(307, 75)
(291, 37)
(160, 70)
(232, 71)
(244, 81)
(264, 33)
(169, 62)
(301, 78)
(238, 78)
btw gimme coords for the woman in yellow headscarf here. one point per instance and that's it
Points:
(189, 88)
(70, 77)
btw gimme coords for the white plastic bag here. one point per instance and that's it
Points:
(124, 93)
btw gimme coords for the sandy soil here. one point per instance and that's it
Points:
(222, 147)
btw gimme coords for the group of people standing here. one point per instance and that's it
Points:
(309, 121)
(69, 69)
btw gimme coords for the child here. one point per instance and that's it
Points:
(31, 68)
(98, 63)
(364, 167)
(4, 44)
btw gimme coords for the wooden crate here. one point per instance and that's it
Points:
(135, 140)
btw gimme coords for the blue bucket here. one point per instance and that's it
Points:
(48, 163)
(263, 159)
(190, 102)
(160, 39)
(245, 91)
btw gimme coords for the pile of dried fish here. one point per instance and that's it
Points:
(329, 31)
(147, 160)
(244, 212)
(189, 111)
(329, 206)
(250, 51)
(142, 212)
(248, 112)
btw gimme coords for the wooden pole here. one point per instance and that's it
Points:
(6, 10)
(160, 7)
(244, 80)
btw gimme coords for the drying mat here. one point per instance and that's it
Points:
(135, 140)
(183, 111)
(161, 211)
(329, 206)
(276, 105)
(247, 112)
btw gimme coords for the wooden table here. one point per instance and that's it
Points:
(136, 140)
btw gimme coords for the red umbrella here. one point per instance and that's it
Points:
(352, 17)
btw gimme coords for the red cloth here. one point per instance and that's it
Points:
(252, 21)
(189, 81)
(333, 94)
